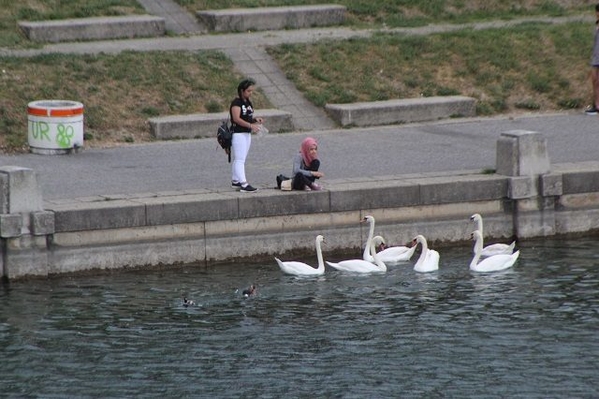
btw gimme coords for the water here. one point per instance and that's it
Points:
(529, 332)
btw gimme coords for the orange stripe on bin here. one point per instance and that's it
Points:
(54, 112)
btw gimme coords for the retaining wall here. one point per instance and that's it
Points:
(530, 199)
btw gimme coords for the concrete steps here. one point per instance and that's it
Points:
(97, 28)
(408, 110)
(194, 126)
(272, 18)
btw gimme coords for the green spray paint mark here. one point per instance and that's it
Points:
(40, 130)
(64, 135)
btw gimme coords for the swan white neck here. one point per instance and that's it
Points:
(377, 260)
(369, 239)
(478, 248)
(319, 256)
(479, 222)
(422, 241)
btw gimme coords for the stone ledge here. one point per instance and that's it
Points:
(272, 18)
(194, 126)
(96, 28)
(408, 110)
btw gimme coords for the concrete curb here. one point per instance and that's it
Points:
(205, 125)
(272, 18)
(98, 28)
(401, 110)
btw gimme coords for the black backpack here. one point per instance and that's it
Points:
(224, 136)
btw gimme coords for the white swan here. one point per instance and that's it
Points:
(492, 249)
(361, 265)
(388, 255)
(429, 258)
(303, 269)
(492, 263)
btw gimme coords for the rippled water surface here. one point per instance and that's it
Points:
(532, 331)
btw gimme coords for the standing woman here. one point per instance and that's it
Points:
(243, 124)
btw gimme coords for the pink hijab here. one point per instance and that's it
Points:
(305, 150)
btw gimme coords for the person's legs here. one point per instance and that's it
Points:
(300, 182)
(312, 180)
(240, 149)
(595, 82)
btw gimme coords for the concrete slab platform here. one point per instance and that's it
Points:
(194, 126)
(97, 28)
(408, 110)
(272, 18)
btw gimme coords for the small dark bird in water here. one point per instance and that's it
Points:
(251, 290)
(188, 302)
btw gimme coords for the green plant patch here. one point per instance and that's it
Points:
(502, 68)
(39, 10)
(405, 13)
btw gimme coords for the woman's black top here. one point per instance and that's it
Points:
(247, 114)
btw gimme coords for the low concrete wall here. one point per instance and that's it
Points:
(211, 227)
(401, 111)
(97, 28)
(205, 125)
(272, 18)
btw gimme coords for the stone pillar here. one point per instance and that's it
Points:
(24, 225)
(522, 155)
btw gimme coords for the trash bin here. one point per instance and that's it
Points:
(54, 126)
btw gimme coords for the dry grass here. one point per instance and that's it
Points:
(119, 92)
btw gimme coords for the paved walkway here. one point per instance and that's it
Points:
(180, 167)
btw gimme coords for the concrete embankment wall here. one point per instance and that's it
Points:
(527, 197)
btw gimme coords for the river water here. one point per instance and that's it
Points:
(529, 332)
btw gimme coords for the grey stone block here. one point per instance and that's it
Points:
(522, 153)
(355, 196)
(190, 208)
(580, 182)
(401, 111)
(21, 191)
(276, 202)
(462, 189)
(11, 225)
(27, 256)
(42, 223)
(98, 215)
(272, 18)
(205, 125)
(4, 193)
(521, 187)
(96, 28)
(551, 185)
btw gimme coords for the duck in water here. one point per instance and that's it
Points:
(249, 291)
(188, 302)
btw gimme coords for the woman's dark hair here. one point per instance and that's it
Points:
(244, 84)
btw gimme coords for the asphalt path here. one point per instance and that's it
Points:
(359, 153)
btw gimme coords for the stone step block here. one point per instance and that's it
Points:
(96, 28)
(193, 126)
(272, 18)
(408, 110)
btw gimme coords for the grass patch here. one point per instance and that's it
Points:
(119, 92)
(405, 13)
(505, 69)
(38, 10)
